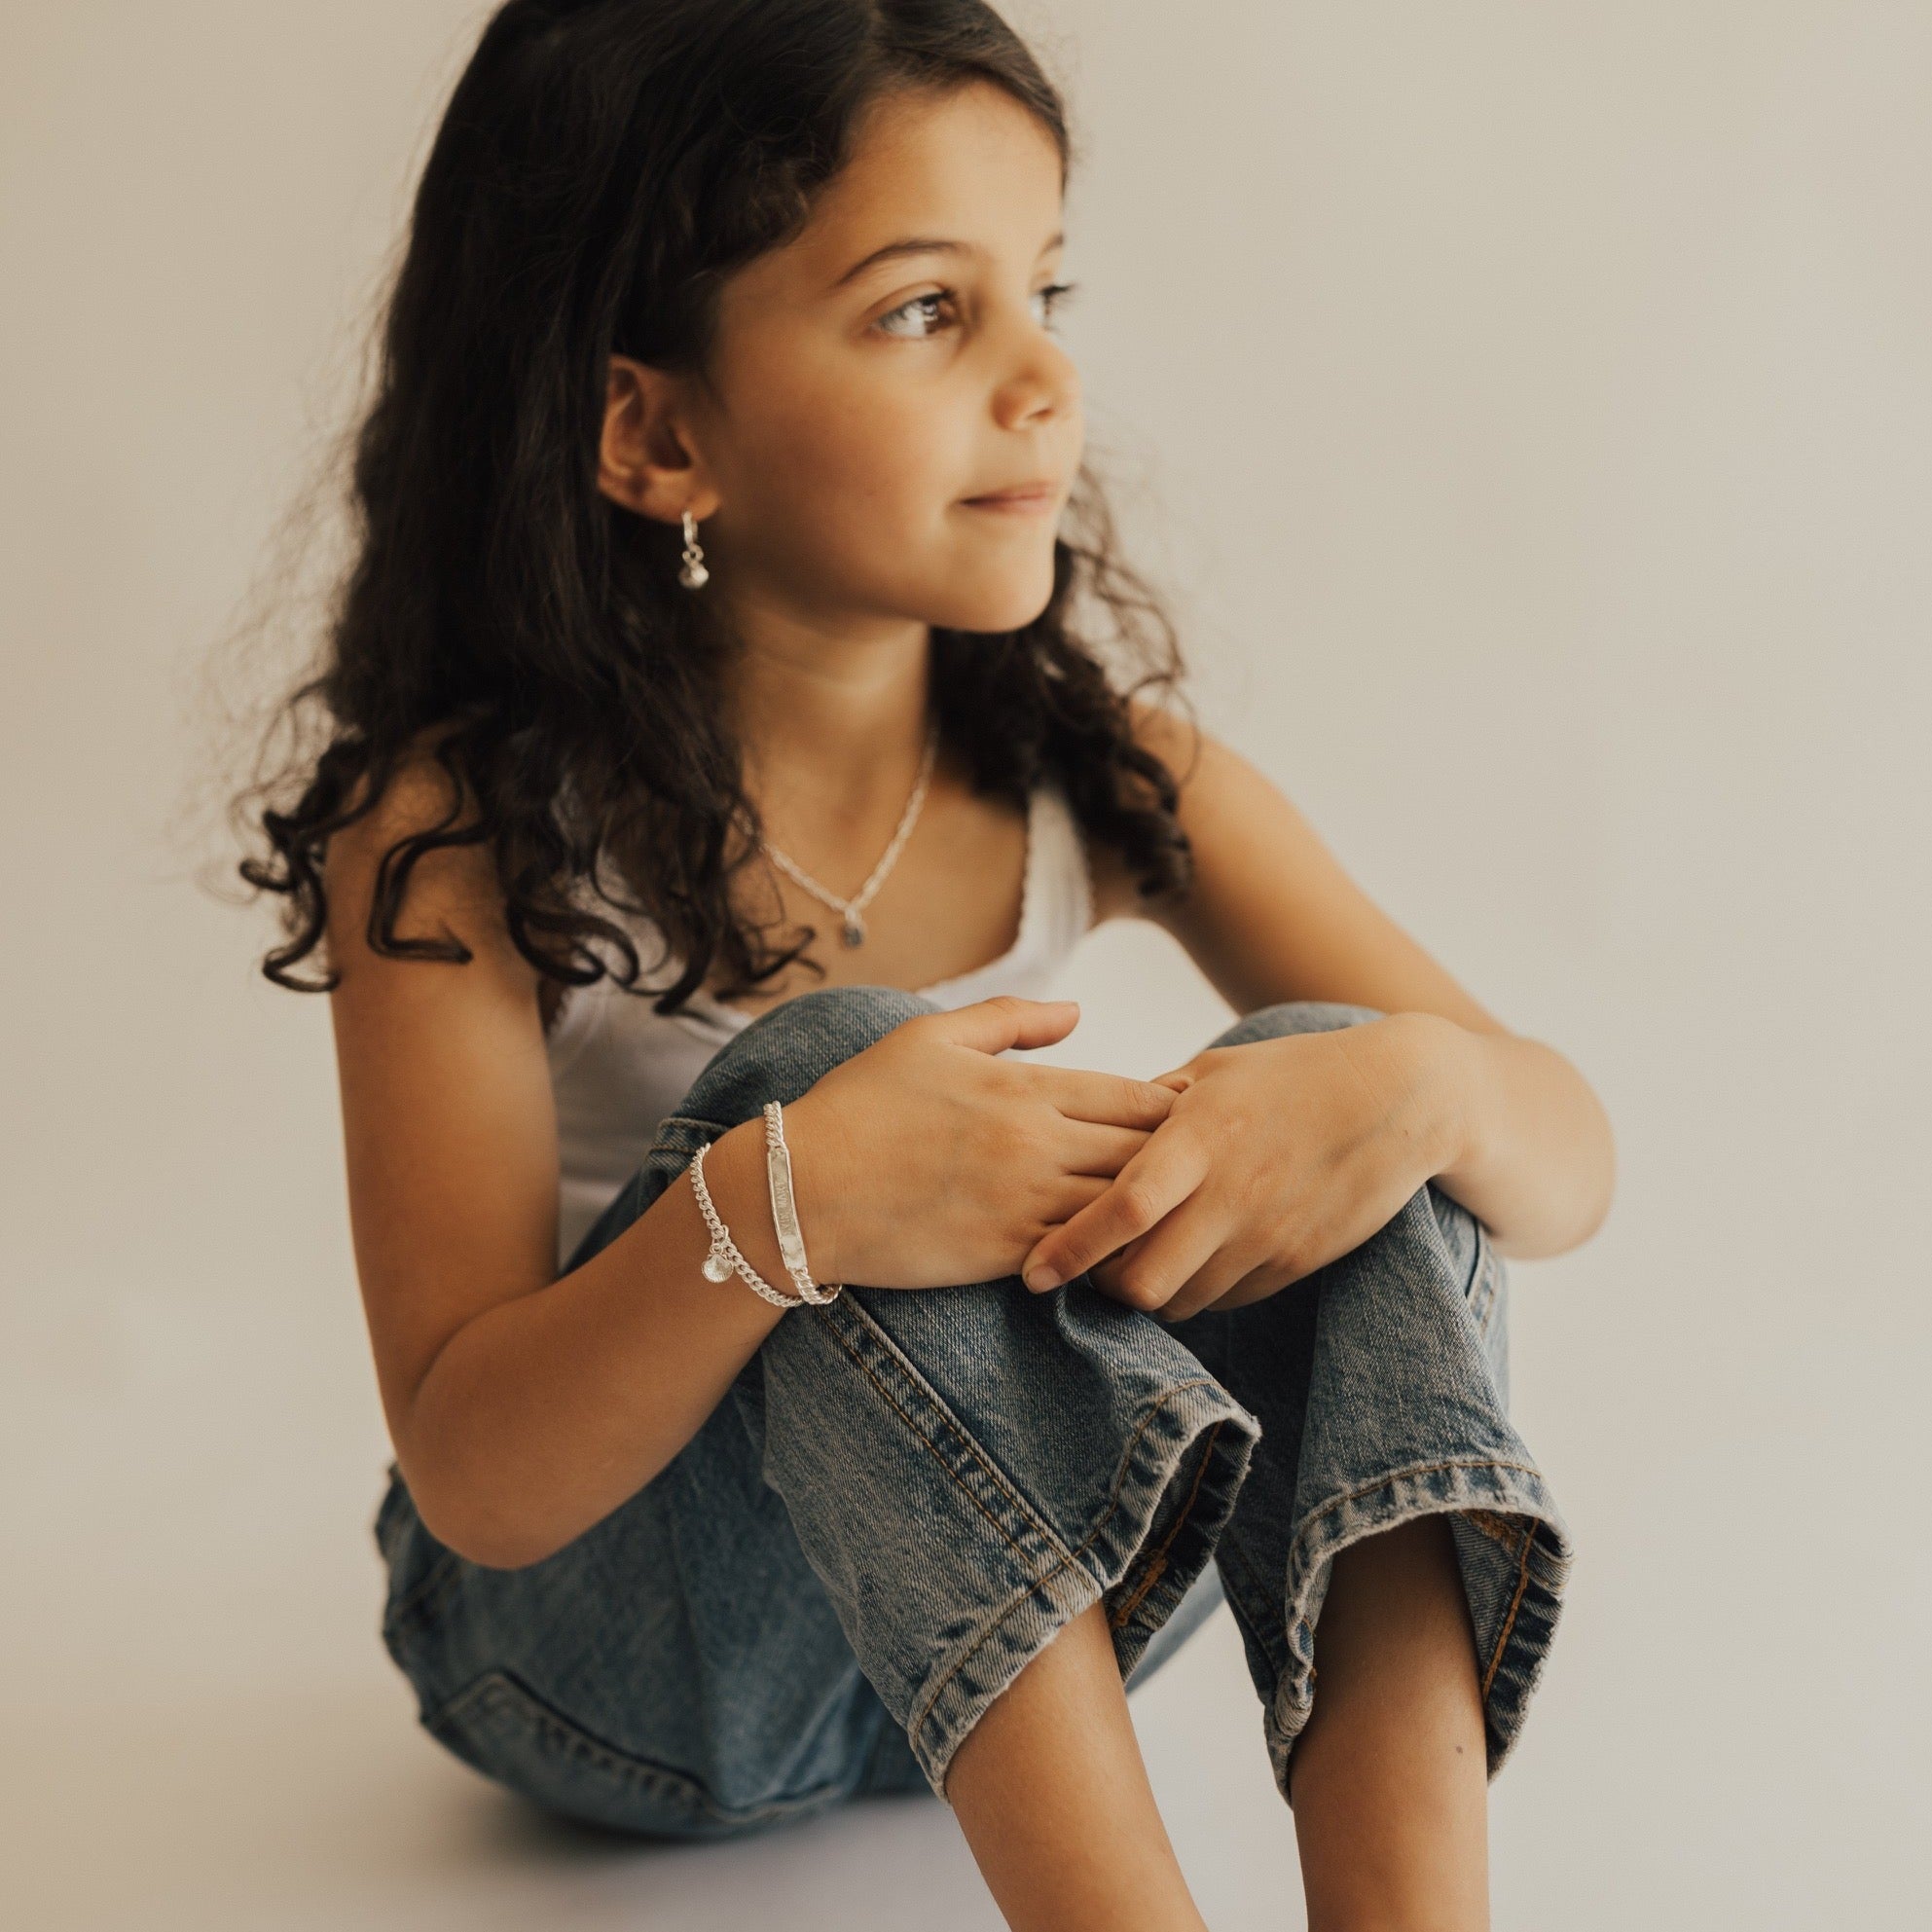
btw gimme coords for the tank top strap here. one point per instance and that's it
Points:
(1066, 874)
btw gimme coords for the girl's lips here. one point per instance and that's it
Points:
(1016, 503)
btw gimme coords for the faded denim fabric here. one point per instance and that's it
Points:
(906, 1493)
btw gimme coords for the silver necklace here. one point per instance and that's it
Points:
(853, 909)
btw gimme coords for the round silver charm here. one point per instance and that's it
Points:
(717, 1266)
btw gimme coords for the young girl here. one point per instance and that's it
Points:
(796, 1392)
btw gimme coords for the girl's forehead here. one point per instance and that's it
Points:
(969, 178)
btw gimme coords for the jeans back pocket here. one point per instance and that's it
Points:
(499, 1725)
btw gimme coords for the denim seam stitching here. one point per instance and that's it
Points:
(1047, 1576)
(1157, 1564)
(1413, 1469)
(994, 1475)
(1382, 1481)
(504, 1687)
(1510, 1621)
(1494, 1524)
(973, 1448)
(1392, 1477)
(917, 1722)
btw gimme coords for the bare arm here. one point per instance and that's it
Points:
(524, 1407)
(1273, 916)
(542, 1414)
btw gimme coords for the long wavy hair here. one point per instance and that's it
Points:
(601, 167)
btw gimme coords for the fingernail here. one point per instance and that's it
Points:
(1040, 1279)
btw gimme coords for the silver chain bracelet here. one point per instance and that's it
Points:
(725, 1257)
(785, 1212)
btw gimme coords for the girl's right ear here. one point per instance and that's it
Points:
(645, 462)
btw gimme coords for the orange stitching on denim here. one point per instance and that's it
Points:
(1430, 1468)
(1114, 1503)
(993, 1473)
(917, 1722)
(1114, 1495)
(1502, 1528)
(922, 1435)
(1422, 1468)
(1510, 1621)
(1159, 1561)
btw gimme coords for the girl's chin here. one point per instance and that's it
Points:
(996, 614)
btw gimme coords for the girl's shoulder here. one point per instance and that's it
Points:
(454, 892)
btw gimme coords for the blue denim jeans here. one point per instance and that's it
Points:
(905, 1494)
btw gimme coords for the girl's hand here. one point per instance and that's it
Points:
(927, 1159)
(1278, 1156)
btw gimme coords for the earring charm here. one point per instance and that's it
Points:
(693, 576)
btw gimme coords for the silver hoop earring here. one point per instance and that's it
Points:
(693, 576)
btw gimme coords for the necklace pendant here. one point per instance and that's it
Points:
(855, 929)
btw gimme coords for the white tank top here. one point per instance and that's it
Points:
(617, 1068)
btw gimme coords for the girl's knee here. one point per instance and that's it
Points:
(1455, 1226)
(841, 1019)
(1291, 1016)
(786, 1048)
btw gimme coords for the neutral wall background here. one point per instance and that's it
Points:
(1531, 409)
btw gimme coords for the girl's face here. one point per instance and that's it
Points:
(894, 361)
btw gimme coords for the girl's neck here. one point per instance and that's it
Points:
(832, 738)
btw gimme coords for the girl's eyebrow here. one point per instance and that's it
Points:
(920, 244)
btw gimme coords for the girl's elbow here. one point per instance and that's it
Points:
(467, 1517)
(480, 1536)
(473, 1517)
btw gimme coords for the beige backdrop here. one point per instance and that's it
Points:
(1532, 409)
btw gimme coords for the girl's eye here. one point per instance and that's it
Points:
(917, 301)
(1053, 294)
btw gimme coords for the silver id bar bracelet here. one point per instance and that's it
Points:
(785, 1211)
(724, 1257)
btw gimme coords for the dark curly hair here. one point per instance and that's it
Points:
(601, 167)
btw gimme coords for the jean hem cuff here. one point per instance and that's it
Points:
(1513, 1552)
(1171, 1495)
